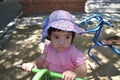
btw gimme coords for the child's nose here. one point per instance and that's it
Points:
(61, 42)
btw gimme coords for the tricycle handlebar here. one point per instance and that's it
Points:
(107, 23)
(42, 72)
(97, 18)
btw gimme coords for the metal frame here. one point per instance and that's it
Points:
(97, 29)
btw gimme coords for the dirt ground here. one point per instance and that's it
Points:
(22, 46)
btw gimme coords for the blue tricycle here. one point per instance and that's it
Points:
(96, 30)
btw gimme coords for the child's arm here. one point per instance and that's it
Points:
(81, 70)
(34, 64)
(40, 60)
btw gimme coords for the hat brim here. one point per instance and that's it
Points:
(66, 26)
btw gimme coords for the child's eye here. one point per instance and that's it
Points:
(56, 37)
(67, 37)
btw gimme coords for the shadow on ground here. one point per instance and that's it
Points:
(22, 46)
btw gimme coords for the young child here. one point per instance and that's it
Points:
(60, 55)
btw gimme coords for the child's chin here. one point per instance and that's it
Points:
(60, 50)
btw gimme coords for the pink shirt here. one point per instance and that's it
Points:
(68, 59)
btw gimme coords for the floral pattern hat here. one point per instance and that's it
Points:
(62, 20)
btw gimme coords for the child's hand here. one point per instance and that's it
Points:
(69, 75)
(28, 66)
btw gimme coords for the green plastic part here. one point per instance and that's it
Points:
(40, 74)
(52, 75)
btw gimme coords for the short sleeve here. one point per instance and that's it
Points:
(77, 57)
(46, 48)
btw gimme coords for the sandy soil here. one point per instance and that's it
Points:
(22, 46)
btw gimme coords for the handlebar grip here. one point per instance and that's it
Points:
(19, 66)
(109, 24)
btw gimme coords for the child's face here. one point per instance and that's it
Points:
(61, 40)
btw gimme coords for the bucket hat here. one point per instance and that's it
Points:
(63, 20)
